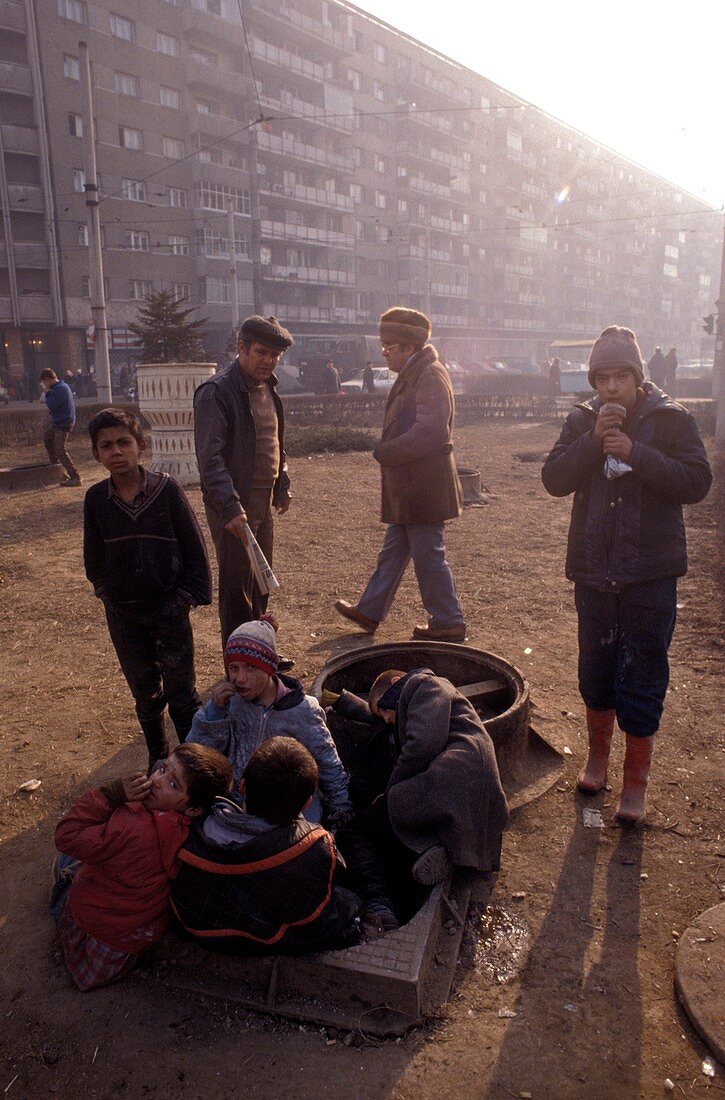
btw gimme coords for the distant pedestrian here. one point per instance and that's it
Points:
(330, 378)
(657, 368)
(368, 378)
(671, 366)
(59, 399)
(555, 377)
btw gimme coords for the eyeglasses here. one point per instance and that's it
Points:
(388, 347)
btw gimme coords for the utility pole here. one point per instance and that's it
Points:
(233, 267)
(95, 254)
(718, 367)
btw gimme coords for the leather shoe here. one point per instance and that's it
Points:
(349, 611)
(441, 634)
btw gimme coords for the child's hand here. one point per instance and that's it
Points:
(136, 787)
(222, 692)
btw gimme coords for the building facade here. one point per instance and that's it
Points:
(355, 168)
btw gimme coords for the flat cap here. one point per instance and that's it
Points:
(267, 330)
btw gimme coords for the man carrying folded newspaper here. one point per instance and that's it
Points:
(239, 438)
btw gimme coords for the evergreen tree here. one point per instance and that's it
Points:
(164, 332)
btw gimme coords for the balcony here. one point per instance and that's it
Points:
(448, 290)
(21, 139)
(313, 195)
(311, 154)
(36, 307)
(447, 224)
(199, 75)
(284, 231)
(442, 86)
(15, 78)
(429, 187)
(285, 59)
(12, 16)
(26, 196)
(210, 28)
(317, 275)
(284, 15)
(30, 254)
(290, 312)
(6, 313)
(311, 112)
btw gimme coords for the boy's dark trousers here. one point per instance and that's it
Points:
(155, 648)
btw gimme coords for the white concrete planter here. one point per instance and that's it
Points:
(166, 399)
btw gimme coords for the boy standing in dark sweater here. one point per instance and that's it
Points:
(145, 556)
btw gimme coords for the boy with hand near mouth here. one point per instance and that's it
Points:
(256, 703)
(119, 853)
(145, 556)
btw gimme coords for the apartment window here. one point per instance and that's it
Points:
(379, 52)
(122, 28)
(214, 196)
(74, 10)
(75, 125)
(402, 206)
(86, 287)
(128, 138)
(170, 97)
(166, 43)
(359, 229)
(215, 289)
(378, 90)
(135, 190)
(210, 156)
(379, 163)
(211, 242)
(176, 196)
(137, 240)
(173, 148)
(125, 83)
(179, 246)
(356, 192)
(203, 57)
(71, 67)
(354, 79)
(181, 290)
(83, 235)
(205, 107)
(79, 180)
(138, 289)
(381, 200)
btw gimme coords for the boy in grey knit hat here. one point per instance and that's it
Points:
(632, 457)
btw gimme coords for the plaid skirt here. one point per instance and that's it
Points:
(90, 962)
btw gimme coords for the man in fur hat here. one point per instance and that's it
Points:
(632, 457)
(239, 439)
(420, 486)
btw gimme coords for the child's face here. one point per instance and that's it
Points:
(118, 450)
(249, 681)
(617, 384)
(169, 788)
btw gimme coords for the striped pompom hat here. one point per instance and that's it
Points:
(253, 644)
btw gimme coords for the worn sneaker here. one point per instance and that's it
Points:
(432, 867)
(70, 482)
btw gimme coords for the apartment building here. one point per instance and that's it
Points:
(360, 166)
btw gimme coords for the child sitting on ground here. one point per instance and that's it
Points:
(256, 703)
(443, 805)
(119, 847)
(145, 556)
(261, 880)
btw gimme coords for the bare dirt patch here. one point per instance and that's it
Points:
(580, 940)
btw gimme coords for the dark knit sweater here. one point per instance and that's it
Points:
(146, 550)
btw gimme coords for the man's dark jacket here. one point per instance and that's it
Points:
(629, 530)
(273, 893)
(225, 441)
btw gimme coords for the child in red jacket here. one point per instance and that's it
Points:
(119, 850)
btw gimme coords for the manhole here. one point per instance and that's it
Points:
(23, 479)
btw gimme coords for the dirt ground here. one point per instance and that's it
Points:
(581, 937)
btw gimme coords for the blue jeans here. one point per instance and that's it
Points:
(623, 642)
(424, 543)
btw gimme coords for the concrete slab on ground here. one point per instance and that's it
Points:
(700, 977)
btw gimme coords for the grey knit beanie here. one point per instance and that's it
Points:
(616, 347)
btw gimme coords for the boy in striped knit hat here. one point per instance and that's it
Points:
(255, 703)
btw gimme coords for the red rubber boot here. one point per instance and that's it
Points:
(600, 726)
(637, 762)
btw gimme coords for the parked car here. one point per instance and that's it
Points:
(384, 379)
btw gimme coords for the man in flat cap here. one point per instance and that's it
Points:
(632, 457)
(239, 438)
(420, 486)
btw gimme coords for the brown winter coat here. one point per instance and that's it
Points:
(445, 787)
(419, 479)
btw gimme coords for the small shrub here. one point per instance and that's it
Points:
(314, 440)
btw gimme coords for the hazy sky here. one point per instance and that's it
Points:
(643, 77)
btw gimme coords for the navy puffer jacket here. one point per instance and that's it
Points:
(631, 529)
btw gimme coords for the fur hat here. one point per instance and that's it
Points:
(616, 347)
(404, 326)
(267, 330)
(253, 644)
